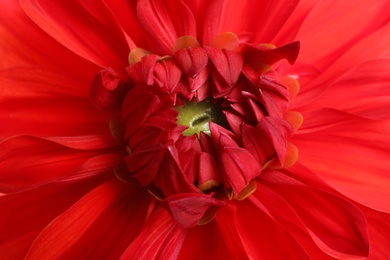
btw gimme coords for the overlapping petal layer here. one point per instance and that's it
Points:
(59, 197)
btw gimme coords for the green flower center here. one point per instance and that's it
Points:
(197, 116)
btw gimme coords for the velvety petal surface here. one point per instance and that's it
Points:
(27, 162)
(166, 21)
(335, 225)
(356, 164)
(115, 228)
(125, 13)
(358, 53)
(339, 25)
(41, 205)
(62, 235)
(88, 28)
(46, 102)
(260, 234)
(363, 91)
(216, 239)
(17, 51)
(58, 191)
(378, 224)
(263, 17)
(160, 238)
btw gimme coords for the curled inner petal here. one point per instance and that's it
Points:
(203, 123)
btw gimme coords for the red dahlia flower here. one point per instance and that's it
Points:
(171, 129)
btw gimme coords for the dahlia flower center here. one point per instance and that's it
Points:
(202, 124)
(197, 116)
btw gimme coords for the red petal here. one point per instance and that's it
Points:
(171, 178)
(235, 121)
(200, 243)
(363, 51)
(67, 229)
(47, 103)
(220, 87)
(278, 131)
(20, 230)
(262, 236)
(364, 88)
(257, 53)
(200, 81)
(340, 20)
(185, 143)
(289, 30)
(97, 165)
(257, 143)
(188, 208)
(284, 215)
(138, 105)
(107, 90)
(126, 14)
(239, 166)
(336, 144)
(28, 162)
(88, 29)
(115, 228)
(211, 21)
(208, 172)
(145, 137)
(144, 165)
(228, 225)
(32, 45)
(336, 225)
(191, 60)
(86, 142)
(167, 75)
(142, 72)
(272, 94)
(190, 167)
(161, 238)
(378, 228)
(165, 22)
(265, 18)
(228, 64)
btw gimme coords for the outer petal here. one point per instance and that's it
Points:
(116, 227)
(166, 21)
(218, 239)
(16, 50)
(212, 21)
(63, 235)
(356, 162)
(263, 18)
(86, 142)
(188, 208)
(45, 102)
(228, 224)
(363, 91)
(336, 225)
(126, 13)
(262, 236)
(372, 47)
(161, 238)
(378, 229)
(339, 25)
(204, 242)
(42, 81)
(287, 33)
(282, 213)
(25, 214)
(85, 27)
(27, 162)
